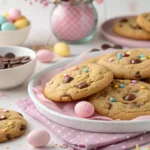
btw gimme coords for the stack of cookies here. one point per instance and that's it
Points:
(114, 83)
(134, 27)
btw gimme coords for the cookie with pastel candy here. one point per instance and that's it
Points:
(13, 20)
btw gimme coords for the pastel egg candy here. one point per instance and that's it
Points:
(14, 13)
(84, 109)
(38, 138)
(45, 56)
(62, 49)
(8, 26)
(2, 19)
(21, 23)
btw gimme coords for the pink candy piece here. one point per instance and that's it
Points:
(2, 117)
(84, 109)
(66, 74)
(38, 138)
(110, 59)
(45, 56)
(9, 19)
(74, 68)
(14, 14)
(5, 110)
(134, 81)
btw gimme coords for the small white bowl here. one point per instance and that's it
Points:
(16, 76)
(15, 37)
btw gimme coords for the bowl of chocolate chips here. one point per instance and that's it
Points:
(17, 64)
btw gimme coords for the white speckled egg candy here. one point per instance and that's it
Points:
(38, 138)
(8, 26)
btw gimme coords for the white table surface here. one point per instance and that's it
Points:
(43, 31)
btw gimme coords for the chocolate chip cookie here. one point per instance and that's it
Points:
(78, 82)
(143, 21)
(129, 28)
(128, 64)
(123, 99)
(12, 125)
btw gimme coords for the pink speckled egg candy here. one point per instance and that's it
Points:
(14, 13)
(38, 138)
(45, 56)
(84, 109)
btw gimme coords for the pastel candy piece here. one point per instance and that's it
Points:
(84, 109)
(9, 19)
(38, 138)
(8, 26)
(2, 19)
(21, 23)
(62, 49)
(5, 14)
(14, 13)
(45, 56)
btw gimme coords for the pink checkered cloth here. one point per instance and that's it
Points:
(81, 140)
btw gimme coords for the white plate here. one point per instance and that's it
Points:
(81, 123)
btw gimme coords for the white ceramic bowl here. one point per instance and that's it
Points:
(15, 37)
(13, 77)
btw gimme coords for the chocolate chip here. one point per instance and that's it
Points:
(125, 55)
(124, 20)
(108, 105)
(130, 97)
(105, 46)
(16, 58)
(82, 85)
(137, 75)
(117, 47)
(2, 66)
(135, 61)
(10, 55)
(25, 58)
(16, 65)
(120, 25)
(95, 50)
(22, 127)
(8, 136)
(15, 62)
(3, 59)
(136, 27)
(20, 114)
(68, 79)
(24, 61)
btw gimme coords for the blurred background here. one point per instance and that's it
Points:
(40, 16)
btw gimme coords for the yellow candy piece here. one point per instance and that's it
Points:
(5, 14)
(62, 49)
(116, 86)
(148, 57)
(22, 17)
(21, 23)
(143, 87)
(128, 52)
(143, 58)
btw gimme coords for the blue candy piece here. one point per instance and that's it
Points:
(142, 55)
(2, 19)
(112, 99)
(119, 55)
(8, 26)
(121, 85)
(86, 70)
